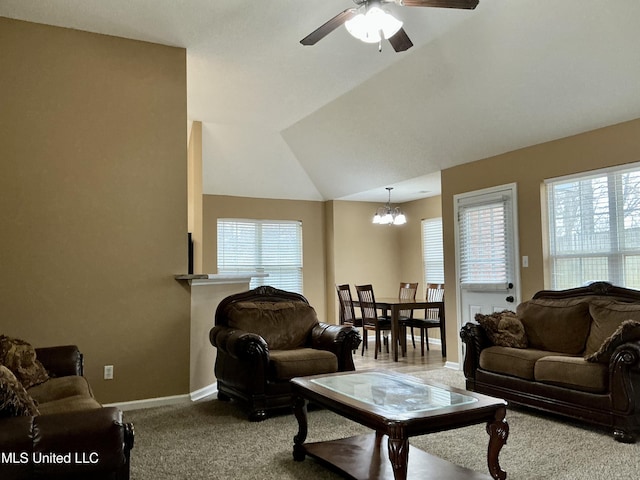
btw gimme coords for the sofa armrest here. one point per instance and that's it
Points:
(475, 340)
(89, 441)
(61, 361)
(342, 340)
(238, 344)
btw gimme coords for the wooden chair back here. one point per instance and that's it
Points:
(347, 312)
(367, 304)
(407, 292)
(435, 293)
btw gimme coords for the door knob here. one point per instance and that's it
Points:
(510, 299)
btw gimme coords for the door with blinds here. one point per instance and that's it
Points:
(486, 245)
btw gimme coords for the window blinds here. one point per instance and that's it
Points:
(432, 253)
(594, 228)
(485, 244)
(270, 246)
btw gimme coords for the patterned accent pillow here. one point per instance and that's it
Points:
(504, 329)
(628, 331)
(14, 399)
(20, 357)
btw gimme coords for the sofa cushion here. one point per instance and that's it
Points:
(20, 357)
(60, 387)
(627, 331)
(503, 329)
(283, 325)
(517, 362)
(607, 317)
(287, 364)
(14, 399)
(74, 403)
(556, 325)
(572, 372)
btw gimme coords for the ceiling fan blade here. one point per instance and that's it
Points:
(328, 27)
(401, 41)
(468, 4)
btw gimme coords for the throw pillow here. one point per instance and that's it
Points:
(20, 357)
(503, 329)
(628, 331)
(607, 317)
(14, 399)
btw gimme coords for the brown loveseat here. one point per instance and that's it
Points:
(582, 357)
(265, 337)
(57, 429)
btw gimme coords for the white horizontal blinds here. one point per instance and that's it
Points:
(485, 244)
(270, 246)
(594, 228)
(432, 250)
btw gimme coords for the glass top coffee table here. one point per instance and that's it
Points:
(397, 407)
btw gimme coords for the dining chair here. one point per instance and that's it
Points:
(371, 321)
(347, 312)
(434, 318)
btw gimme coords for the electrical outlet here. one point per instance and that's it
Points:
(108, 372)
(525, 261)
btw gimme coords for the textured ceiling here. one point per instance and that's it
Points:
(340, 120)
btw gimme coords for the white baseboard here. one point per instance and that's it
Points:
(165, 401)
(452, 365)
(208, 391)
(150, 402)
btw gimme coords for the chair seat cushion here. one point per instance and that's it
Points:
(61, 387)
(287, 364)
(573, 372)
(517, 362)
(69, 404)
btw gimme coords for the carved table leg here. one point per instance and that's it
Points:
(498, 431)
(300, 411)
(398, 452)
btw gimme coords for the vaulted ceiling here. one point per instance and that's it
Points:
(340, 120)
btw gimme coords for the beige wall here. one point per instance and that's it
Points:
(313, 240)
(528, 168)
(93, 203)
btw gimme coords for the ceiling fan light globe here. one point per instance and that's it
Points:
(376, 218)
(379, 20)
(370, 26)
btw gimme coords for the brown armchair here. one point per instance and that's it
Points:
(265, 337)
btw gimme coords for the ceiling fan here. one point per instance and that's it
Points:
(370, 23)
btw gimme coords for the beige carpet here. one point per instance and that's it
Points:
(213, 440)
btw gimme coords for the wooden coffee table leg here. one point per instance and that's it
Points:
(398, 452)
(498, 431)
(300, 411)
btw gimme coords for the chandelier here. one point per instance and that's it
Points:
(388, 215)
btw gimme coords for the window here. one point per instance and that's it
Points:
(268, 246)
(432, 250)
(486, 249)
(594, 228)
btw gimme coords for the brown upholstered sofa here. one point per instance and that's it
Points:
(69, 434)
(265, 337)
(582, 358)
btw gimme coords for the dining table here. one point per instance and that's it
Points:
(395, 305)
